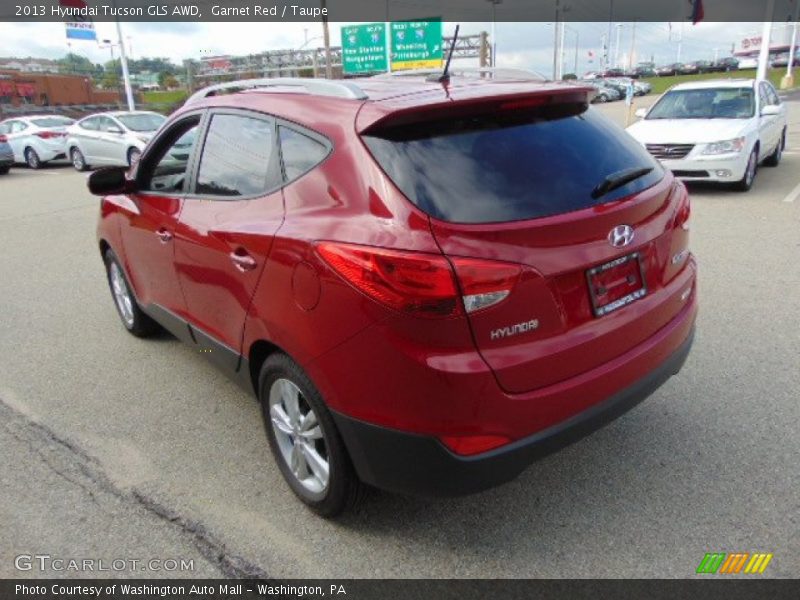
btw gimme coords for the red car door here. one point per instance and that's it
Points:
(149, 230)
(226, 228)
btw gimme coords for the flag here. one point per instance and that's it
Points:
(697, 11)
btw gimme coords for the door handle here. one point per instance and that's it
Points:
(242, 260)
(164, 235)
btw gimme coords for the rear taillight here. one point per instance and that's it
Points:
(3, 138)
(684, 211)
(420, 283)
(48, 135)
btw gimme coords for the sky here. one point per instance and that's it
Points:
(521, 45)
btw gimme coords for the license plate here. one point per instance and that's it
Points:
(616, 284)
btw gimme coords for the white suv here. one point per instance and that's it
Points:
(717, 130)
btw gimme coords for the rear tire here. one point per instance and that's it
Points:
(32, 159)
(774, 159)
(78, 160)
(746, 182)
(304, 439)
(133, 319)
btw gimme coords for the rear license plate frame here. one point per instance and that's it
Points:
(613, 306)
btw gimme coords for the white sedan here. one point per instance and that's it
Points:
(36, 140)
(111, 139)
(718, 130)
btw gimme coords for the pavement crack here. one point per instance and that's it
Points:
(70, 462)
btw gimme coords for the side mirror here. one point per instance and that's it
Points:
(110, 180)
(770, 110)
(641, 113)
(115, 130)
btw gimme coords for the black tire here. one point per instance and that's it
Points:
(774, 159)
(32, 159)
(746, 182)
(133, 155)
(344, 490)
(138, 323)
(78, 160)
(5, 170)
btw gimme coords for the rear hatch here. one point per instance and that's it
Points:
(551, 186)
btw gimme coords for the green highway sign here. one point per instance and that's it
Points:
(364, 48)
(416, 44)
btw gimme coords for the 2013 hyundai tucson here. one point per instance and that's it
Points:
(427, 284)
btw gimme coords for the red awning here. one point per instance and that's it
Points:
(7, 88)
(26, 89)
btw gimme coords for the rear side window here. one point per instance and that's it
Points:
(511, 167)
(300, 153)
(238, 157)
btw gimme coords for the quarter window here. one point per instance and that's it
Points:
(300, 153)
(238, 157)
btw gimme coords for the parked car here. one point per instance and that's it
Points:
(427, 287)
(728, 63)
(643, 71)
(715, 130)
(689, 68)
(612, 73)
(616, 85)
(668, 70)
(6, 155)
(111, 138)
(782, 60)
(36, 140)
(640, 88)
(603, 91)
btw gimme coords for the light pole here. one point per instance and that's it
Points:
(766, 34)
(494, 4)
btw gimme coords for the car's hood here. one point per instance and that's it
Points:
(686, 131)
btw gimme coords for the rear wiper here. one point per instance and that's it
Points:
(618, 179)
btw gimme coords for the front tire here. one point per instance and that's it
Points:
(32, 159)
(304, 439)
(774, 159)
(133, 319)
(746, 182)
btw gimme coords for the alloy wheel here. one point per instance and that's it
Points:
(299, 435)
(122, 296)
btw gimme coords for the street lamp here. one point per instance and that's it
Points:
(494, 4)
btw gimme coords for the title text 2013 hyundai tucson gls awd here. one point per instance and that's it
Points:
(426, 285)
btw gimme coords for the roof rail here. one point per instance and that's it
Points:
(320, 87)
(487, 72)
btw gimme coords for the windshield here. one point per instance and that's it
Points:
(142, 122)
(708, 103)
(513, 166)
(52, 122)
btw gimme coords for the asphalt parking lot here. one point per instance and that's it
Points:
(118, 447)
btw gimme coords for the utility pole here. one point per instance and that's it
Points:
(608, 35)
(577, 46)
(680, 43)
(766, 34)
(633, 47)
(123, 59)
(555, 40)
(494, 4)
(617, 48)
(326, 36)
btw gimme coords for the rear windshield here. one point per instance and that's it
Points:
(142, 122)
(52, 121)
(512, 166)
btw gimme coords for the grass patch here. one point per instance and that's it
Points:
(169, 97)
(661, 84)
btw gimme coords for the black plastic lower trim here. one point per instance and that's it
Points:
(414, 464)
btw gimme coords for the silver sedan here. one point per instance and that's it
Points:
(112, 138)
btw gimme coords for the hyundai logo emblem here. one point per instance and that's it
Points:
(620, 236)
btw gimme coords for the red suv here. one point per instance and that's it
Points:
(427, 285)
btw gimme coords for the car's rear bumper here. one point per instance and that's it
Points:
(417, 464)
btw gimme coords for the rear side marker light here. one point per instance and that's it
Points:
(420, 283)
(468, 445)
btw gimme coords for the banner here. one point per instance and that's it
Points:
(83, 27)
